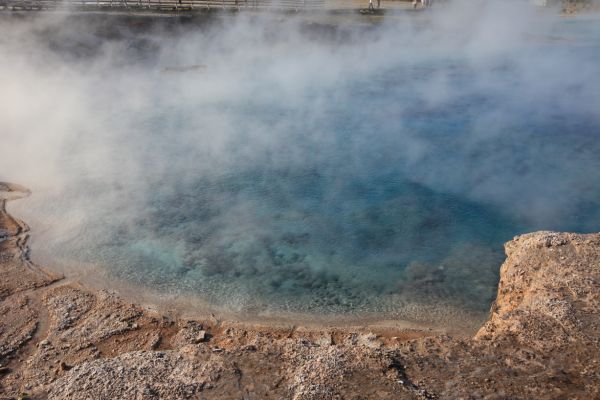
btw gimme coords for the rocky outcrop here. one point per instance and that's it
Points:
(580, 6)
(542, 340)
(549, 291)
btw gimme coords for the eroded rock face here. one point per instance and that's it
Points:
(542, 340)
(549, 289)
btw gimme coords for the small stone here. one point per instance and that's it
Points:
(64, 366)
(201, 337)
(326, 340)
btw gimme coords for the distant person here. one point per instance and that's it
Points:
(378, 4)
(415, 3)
(371, 8)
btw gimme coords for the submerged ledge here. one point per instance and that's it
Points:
(61, 340)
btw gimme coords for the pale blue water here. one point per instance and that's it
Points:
(386, 186)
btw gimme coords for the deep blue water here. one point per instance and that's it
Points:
(392, 184)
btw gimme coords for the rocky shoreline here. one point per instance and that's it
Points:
(60, 340)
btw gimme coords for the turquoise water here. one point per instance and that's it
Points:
(336, 185)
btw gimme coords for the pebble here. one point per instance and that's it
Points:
(201, 337)
(64, 366)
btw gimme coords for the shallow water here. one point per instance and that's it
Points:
(333, 179)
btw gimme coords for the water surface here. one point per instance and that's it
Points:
(369, 172)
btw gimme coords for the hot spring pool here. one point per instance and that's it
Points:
(266, 169)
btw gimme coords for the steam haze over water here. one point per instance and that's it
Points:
(272, 164)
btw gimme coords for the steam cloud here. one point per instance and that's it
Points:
(131, 133)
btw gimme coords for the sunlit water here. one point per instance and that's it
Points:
(291, 186)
